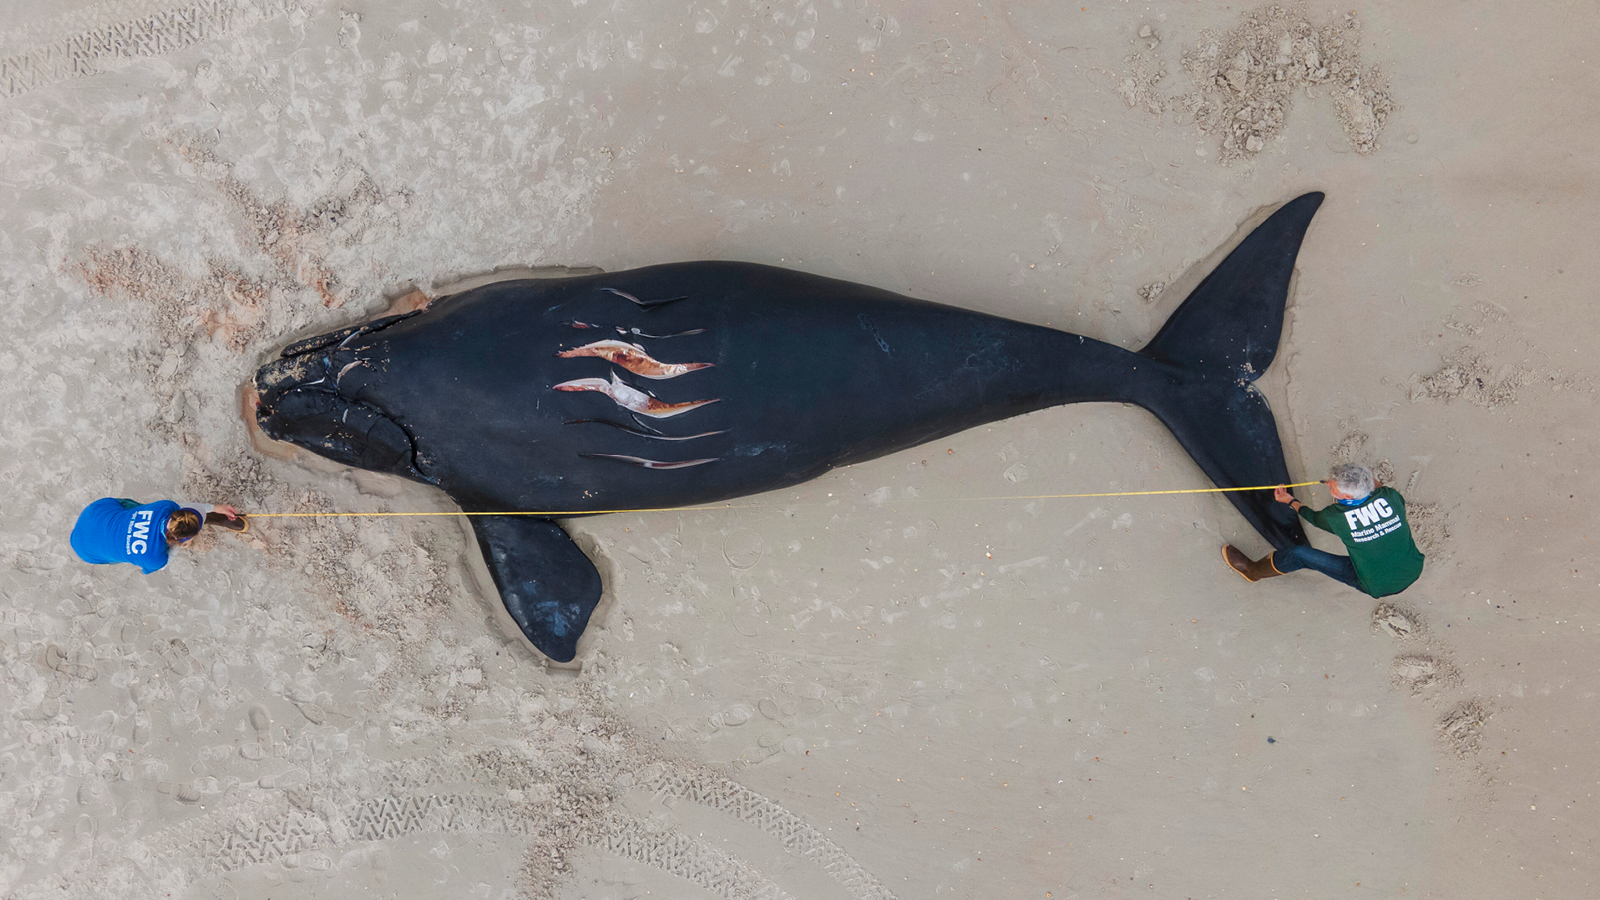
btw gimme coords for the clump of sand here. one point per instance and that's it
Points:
(1145, 70)
(1245, 81)
(1468, 375)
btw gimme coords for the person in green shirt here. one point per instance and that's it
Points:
(1370, 518)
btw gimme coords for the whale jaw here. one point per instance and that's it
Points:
(301, 404)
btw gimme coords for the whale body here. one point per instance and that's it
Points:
(692, 383)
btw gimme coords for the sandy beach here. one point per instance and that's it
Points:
(916, 677)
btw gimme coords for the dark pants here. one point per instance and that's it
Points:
(1339, 568)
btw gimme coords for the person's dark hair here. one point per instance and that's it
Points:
(183, 524)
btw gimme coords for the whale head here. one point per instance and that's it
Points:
(301, 402)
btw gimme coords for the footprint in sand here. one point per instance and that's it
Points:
(261, 723)
(1462, 726)
(175, 653)
(78, 664)
(1420, 671)
(1397, 621)
(1428, 670)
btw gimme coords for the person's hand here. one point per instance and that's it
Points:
(1282, 495)
(228, 511)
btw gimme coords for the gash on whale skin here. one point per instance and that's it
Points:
(697, 382)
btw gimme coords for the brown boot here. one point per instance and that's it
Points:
(239, 524)
(1251, 571)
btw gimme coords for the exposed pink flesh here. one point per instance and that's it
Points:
(631, 398)
(633, 358)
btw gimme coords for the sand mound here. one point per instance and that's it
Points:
(1245, 80)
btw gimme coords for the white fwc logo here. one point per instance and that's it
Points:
(139, 532)
(1372, 513)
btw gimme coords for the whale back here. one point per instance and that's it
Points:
(695, 382)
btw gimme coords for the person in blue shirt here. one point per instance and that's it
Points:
(113, 530)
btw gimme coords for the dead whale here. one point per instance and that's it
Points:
(697, 382)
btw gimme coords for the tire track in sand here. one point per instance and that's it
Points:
(105, 43)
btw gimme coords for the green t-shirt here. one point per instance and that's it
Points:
(1378, 539)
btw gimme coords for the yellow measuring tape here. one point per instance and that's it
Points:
(726, 506)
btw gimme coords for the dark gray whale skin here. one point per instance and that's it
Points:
(538, 395)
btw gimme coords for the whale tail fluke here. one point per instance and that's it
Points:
(548, 585)
(1229, 432)
(1221, 339)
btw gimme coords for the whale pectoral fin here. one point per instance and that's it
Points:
(546, 583)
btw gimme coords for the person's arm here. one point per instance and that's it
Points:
(1282, 495)
(202, 508)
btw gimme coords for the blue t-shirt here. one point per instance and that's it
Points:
(112, 531)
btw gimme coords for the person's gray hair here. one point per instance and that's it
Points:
(1357, 481)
